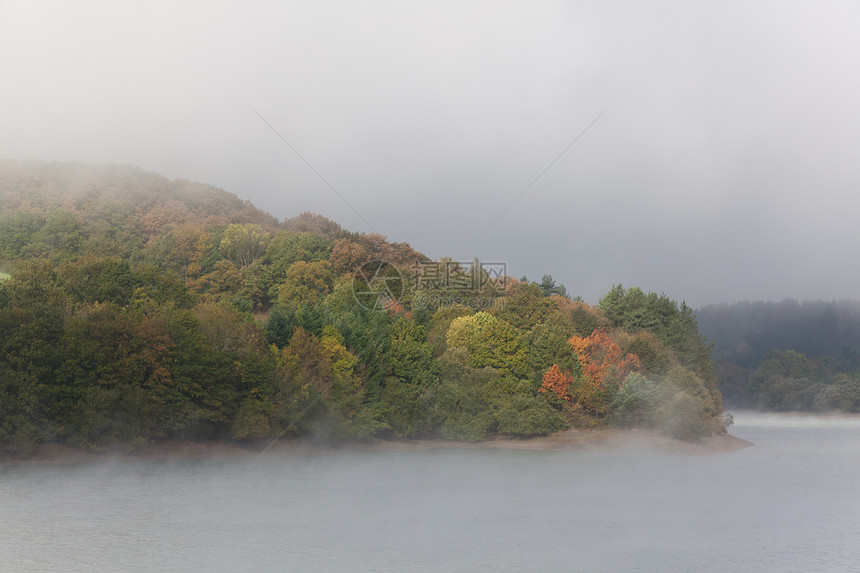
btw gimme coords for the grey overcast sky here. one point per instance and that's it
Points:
(726, 165)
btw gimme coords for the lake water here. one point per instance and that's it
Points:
(789, 503)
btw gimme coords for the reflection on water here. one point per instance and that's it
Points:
(790, 503)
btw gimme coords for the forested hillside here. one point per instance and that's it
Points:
(134, 308)
(788, 355)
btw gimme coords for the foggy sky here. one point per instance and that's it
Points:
(725, 166)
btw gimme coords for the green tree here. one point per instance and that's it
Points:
(19, 409)
(526, 307)
(409, 356)
(243, 244)
(674, 324)
(549, 344)
(62, 234)
(280, 325)
(99, 280)
(490, 342)
(287, 248)
(17, 231)
(636, 401)
(683, 416)
(305, 283)
(771, 381)
(460, 408)
(548, 287)
(412, 371)
(524, 414)
(328, 369)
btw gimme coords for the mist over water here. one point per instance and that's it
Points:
(789, 503)
(746, 419)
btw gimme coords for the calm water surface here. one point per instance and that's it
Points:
(790, 503)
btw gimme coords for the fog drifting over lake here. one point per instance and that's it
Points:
(723, 168)
(788, 503)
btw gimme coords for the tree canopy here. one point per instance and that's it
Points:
(134, 308)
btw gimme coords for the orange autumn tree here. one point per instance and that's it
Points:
(395, 308)
(601, 358)
(556, 381)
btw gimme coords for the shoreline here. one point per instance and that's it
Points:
(571, 439)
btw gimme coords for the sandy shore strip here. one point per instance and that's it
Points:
(573, 438)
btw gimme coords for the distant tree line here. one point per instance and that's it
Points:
(787, 356)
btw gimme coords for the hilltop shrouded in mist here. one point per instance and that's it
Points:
(722, 165)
